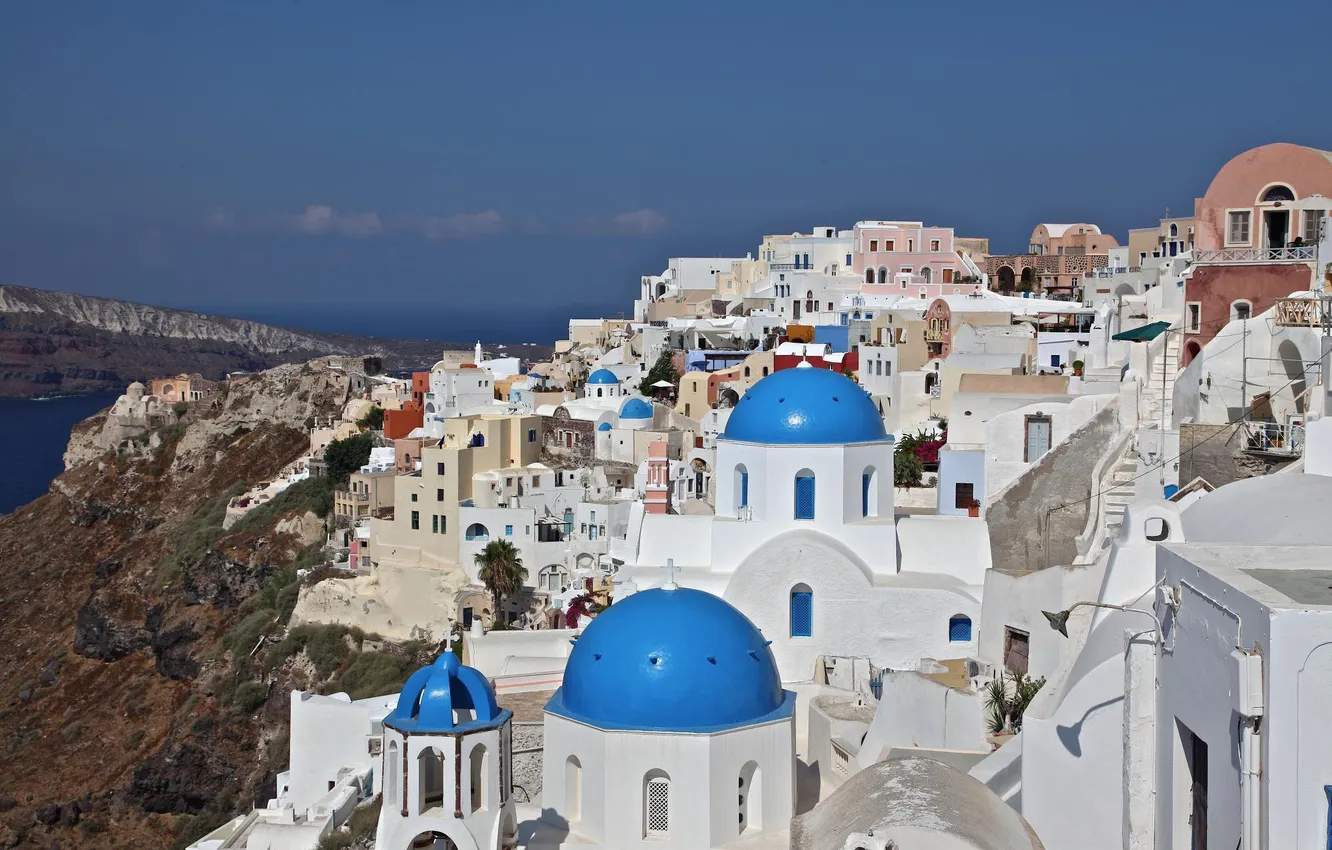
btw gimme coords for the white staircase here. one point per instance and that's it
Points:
(1159, 390)
(1118, 493)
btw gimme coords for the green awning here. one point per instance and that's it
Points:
(1146, 333)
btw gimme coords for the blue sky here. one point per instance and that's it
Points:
(255, 155)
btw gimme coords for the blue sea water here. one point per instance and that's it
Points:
(33, 436)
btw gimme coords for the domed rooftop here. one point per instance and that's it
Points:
(603, 376)
(805, 405)
(636, 408)
(433, 694)
(604, 426)
(671, 659)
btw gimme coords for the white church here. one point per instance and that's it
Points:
(805, 540)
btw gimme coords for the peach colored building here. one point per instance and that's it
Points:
(1256, 232)
(907, 258)
(1058, 257)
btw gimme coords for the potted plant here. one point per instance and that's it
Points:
(973, 508)
(1077, 368)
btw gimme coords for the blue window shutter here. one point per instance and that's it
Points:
(864, 494)
(744, 489)
(959, 629)
(802, 614)
(804, 497)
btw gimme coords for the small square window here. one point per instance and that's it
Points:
(508, 531)
(413, 497)
(531, 435)
(439, 469)
(416, 520)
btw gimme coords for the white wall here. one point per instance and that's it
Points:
(327, 734)
(916, 711)
(959, 466)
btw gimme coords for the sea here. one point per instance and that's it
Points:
(33, 436)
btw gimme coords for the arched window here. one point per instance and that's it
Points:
(392, 774)
(883, 274)
(552, 578)
(751, 798)
(746, 371)
(1174, 230)
(869, 275)
(869, 495)
(804, 494)
(429, 780)
(656, 804)
(480, 793)
(925, 272)
(1240, 310)
(765, 371)
(959, 629)
(478, 440)
(1277, 193)
(741, 487)
(477, 531)
(573, 789)
(802, 611)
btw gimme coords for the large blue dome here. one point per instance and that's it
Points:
(603, 376)
(671, 659)
(432, 694)
(805, 405)
(636, 408)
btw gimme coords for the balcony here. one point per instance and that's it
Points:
(790, 267)
(1219, 256)
(1269, 439)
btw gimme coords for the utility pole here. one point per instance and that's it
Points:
(1244, 369)
(1325, 362)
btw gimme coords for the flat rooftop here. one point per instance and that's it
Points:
(1277, 576)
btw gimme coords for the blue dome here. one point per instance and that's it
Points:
(604, 426)
(603, 376)
(671, 659)
(433, 693)
(636, 408)
(805, 405)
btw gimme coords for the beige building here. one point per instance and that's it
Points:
(185, 388)
(693, 400)
(1170, 238)
(367, 494)
(976, 249)
(424, 530)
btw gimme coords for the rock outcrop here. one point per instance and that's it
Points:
(63, 343)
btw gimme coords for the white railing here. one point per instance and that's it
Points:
(1303, 253)
(1273, 438)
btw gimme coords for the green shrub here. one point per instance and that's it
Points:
(347, 456)
(251, 695)
(372, 674)
(242, 638)
(190, 828)
(307, 495)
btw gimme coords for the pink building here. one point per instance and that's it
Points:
(1058, 257)
(907, 258)
(1256, 235)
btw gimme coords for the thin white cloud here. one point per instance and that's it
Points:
(220, 218)
(460, 225)
(321, 219)
(644, 222)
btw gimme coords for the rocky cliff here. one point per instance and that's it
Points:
(62, 343)
(147, 665)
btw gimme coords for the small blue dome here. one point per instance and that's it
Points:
(636, 408)
(805, 405)
(432, 694)
(603, 376)
(671, 659)
(604, 426)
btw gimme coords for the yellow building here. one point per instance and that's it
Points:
(424, 530)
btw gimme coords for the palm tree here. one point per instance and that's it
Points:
(1006, 699)
(502, 571)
